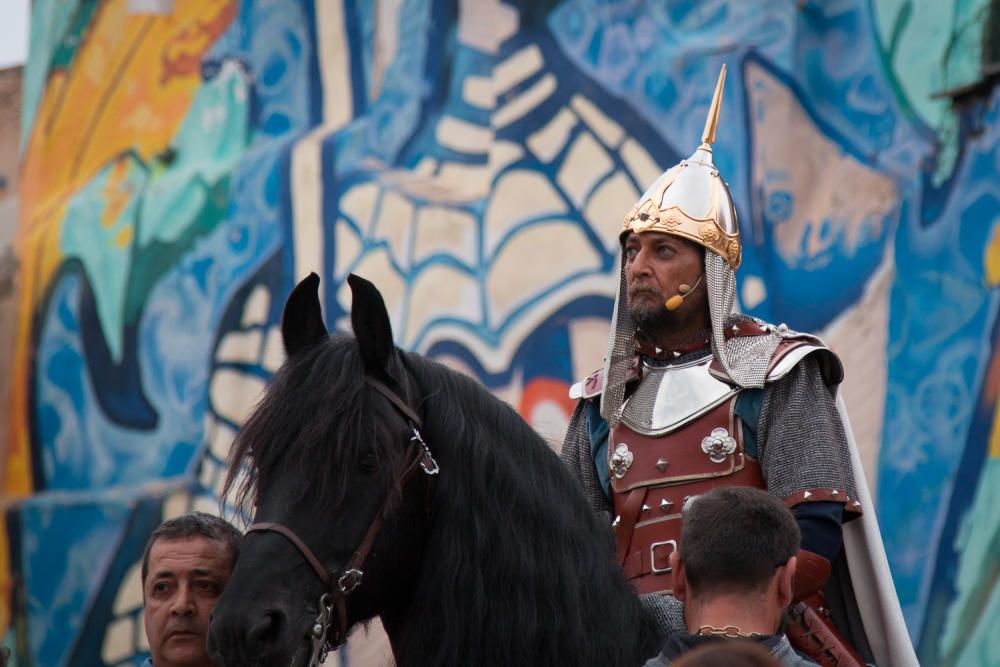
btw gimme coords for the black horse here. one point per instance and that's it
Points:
(496, 560)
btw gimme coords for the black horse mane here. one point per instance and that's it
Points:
(518, 570)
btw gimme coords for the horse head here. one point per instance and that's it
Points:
(497, 560)
(326, 461)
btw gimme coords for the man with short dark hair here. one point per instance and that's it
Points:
(186, 564)
(734, 572)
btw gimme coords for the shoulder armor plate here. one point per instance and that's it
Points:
(593, 385)
(791, 351)
(589, 387)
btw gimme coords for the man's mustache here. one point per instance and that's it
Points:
(643, 288)
(183, 626)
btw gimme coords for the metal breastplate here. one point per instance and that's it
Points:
(678, 437)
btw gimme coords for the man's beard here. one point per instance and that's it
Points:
(648, 312)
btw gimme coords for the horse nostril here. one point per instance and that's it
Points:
(268, 629)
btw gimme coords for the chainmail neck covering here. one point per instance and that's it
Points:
(745, 359)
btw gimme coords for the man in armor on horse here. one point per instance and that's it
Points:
(693, 397)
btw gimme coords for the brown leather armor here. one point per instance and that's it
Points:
(690, 442)
(665, 471)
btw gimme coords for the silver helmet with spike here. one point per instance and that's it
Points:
(690, 200)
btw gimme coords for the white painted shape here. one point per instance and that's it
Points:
(588, 342)
(839, 201)
(610, 132)
(386, 42)
(503, 154)
(347, 246)
(754, 291)
(234, 394)
(607, 207)
(395, 219)
(550, 421)
(426, 167)
(14, 31)
(334, 63)
(442, 291)
(206, 504)
(478, 91)
(256, 308)
(537, 256)
(175, 505)
(240, 347)
(486, 24)
(274, 350)
(118, 640)
(307, 205)
(359, 204)
(525, 102)
(644, 168)
(518, 67)
(459, 183)
(496, 358)
(586, 163)
(508, 206)
(462, 136)
(442, 229)
(548, 141)
(129, 595)
(222, 440)
(209, 474)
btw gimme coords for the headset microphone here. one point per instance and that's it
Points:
(674, 302)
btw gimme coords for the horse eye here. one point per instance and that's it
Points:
(367, 462)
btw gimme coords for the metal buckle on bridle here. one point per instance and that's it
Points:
(320, 647)
(427, 462)
(349, 580)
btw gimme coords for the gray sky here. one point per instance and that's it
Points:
(13, 32)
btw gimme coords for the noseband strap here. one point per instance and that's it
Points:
(351, 574)
(270, 526)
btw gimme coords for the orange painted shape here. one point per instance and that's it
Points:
(991, 260)
(122, 93)
(546, 390)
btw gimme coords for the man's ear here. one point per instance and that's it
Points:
(678, 582)
(786, 577)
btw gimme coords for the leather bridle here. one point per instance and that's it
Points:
(339, 585)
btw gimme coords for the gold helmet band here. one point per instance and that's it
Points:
(691, 200)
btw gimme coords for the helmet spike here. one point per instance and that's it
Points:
(708, 136)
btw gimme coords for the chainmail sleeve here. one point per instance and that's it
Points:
(576, 455)
(801, 438)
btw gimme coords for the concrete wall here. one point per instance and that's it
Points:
(183, 167)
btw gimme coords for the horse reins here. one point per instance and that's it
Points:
(350, 575)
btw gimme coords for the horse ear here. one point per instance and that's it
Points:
(302, 320)
(370, 321)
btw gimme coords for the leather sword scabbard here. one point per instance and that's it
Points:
(811, 574)
(812, 632)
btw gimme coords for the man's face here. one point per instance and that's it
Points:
(656, 264)
(185, 579)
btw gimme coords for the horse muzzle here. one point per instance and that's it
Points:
(251, 635)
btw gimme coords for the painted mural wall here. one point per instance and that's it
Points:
(183, 163)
